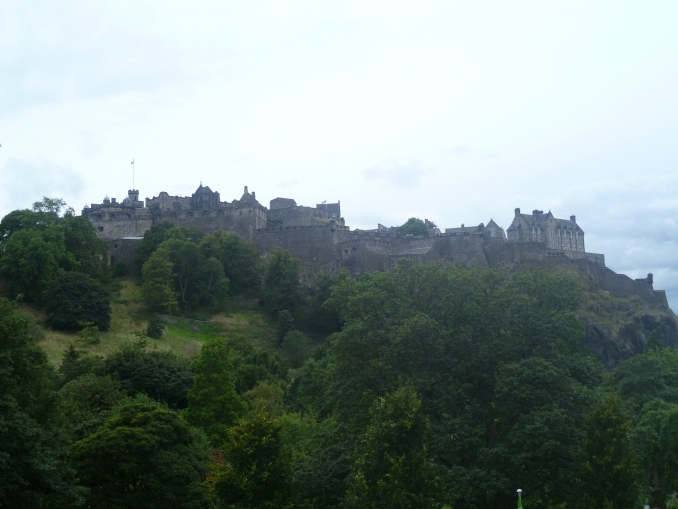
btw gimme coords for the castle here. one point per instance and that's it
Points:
(319, 237)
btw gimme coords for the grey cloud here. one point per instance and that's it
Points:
(634, 222)
(23, 182)
(395, 173)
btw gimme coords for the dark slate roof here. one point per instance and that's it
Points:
(539, 219)
(203, 190)
(464, 229)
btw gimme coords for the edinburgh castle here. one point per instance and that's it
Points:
(319, 237)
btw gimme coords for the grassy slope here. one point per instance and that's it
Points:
(182, 335)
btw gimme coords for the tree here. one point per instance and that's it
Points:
(87, 402)
(162, 375)
(154, 236)
(285, 325)
(283, 289)
(610, 470)
(155, 327)
(213, 403)
(413, 226)
(33, 443)
(469, 341)
(241, 260)
(144, 456)
(89, 251)
(253, 474)
(75, 297)
(392, 467)
(158, 282)
(656, 437)
(32, 259)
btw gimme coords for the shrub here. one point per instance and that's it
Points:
(75, 297)
(155, 327)
(120, 269)
(89, 334)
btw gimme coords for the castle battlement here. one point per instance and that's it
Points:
(320, 238)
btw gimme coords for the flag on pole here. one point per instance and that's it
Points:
(132, 161)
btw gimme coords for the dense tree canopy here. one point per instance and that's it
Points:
(413, 226)
(74, 298)
(145, 457)
(33, 445)
(37, 245)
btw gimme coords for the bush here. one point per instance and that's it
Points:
(120, 269)
(75, 297)
(285, 324)
(155, 327)
(89, 334)
(297, 345)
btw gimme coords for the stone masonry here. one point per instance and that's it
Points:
(319, 237)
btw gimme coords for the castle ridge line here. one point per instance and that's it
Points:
(319, 237)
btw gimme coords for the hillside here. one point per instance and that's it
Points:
(182, 335)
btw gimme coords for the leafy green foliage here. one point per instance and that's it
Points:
(120, 269)
(75, 297)
(154, 236)
(283, 289)
(413, 226)
(145, 456)
(240, 260)
(177, 269)
(643, 378)
(285, 324)
(611, 470)
(89, 334)
(33, 445)
(471, 342)
(213, 403)
(155, 328)
(76, 363)
(158, 282)
(296, 344)
(31, 259)
(162, 375)
(37, 245)
(87, 402)
(392, 466)
(254, 473)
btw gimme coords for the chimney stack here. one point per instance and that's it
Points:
(517, 212)
(573, 219)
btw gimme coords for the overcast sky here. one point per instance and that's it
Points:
(457, 112)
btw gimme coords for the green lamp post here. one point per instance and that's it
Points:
(520, 499)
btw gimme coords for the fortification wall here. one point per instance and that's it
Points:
(311, 244)
(243, 221)
(123, 250)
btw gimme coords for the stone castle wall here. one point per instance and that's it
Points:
(324, 244)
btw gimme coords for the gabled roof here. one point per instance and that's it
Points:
(492, 224)
(203, 190)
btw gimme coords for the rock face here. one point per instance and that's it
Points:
(618, 328)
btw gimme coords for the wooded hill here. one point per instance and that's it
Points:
(209, 377)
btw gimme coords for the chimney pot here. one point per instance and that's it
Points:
(573, 219)
(517, 212)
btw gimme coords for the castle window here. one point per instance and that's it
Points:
(100, 228)
(115, 246)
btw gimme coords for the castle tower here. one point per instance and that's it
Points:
(133, 195)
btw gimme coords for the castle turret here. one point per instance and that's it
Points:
(133, 195)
